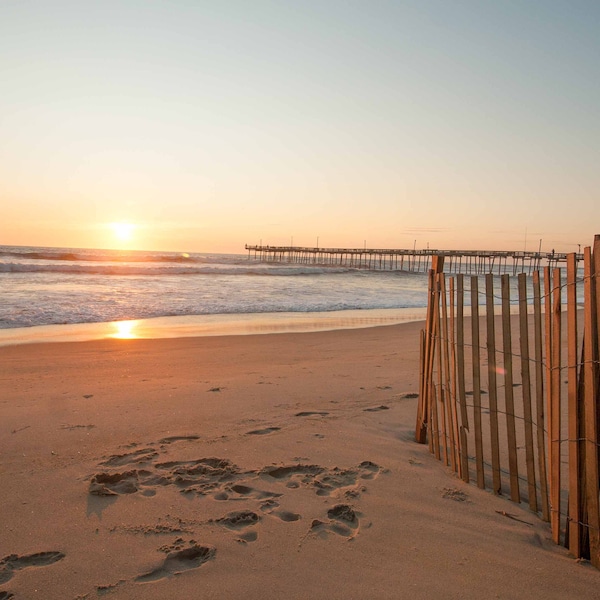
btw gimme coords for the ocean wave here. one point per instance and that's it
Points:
(154, 271)
(99, 256)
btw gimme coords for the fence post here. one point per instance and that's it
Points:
(424, 406)
(448, 376)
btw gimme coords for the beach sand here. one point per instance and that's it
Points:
(255, 467)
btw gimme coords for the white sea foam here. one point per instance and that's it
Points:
(157, 270)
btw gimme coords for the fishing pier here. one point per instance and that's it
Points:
(476, 262)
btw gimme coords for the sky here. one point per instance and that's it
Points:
(202, 126)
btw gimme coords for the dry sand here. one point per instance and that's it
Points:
(256, 467)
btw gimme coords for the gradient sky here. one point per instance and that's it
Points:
(208, 125)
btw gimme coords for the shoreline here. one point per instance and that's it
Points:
(211, 325)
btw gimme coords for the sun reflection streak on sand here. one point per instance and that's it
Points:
(125, 330)
(209, 325)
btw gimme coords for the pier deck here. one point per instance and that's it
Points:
(475, 262)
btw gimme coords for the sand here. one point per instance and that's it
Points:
(256, 467)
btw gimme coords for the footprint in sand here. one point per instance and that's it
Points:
(138, 456)
(454, 494)
(239, 521)
(73, 428)
(202, 477)
(343, 521)
(369, 470)
(115, 484)
(270, 507)
(14, 562)
(286, 515)
(326, 482)
(264, 431)
(242, 492)
(178, 438)
(288, 471)
(223, 480)
(178, 562)
(312, 413)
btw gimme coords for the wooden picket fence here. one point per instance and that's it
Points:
(511, 398)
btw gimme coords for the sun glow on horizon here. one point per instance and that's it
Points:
(123, 231)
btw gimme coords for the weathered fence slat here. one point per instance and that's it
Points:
(526, 390)
(476, 368)
(591, 402)
(555, 408)
(539, 395)
(574, 522)
(440, 371)
(435, 423)
(492, 383)
(549, 336)
(511, 433)
(457, 447)
(460, 375)
(421, 404)
(423, 408)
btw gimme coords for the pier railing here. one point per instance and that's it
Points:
(511, 401)
(411, 260)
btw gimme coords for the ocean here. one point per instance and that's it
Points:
(54, 290)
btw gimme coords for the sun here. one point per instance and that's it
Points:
(123, 231)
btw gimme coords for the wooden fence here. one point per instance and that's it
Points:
(510, 394)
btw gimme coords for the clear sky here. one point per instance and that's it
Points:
(206, 125)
